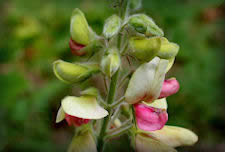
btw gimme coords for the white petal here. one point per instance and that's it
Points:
(83, 107)
(159, 104)
(147, 144)
(146, 82)
(60, 115)
(175, 136)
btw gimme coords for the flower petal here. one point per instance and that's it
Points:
(170, 87)
(175, 136)
(170, 64)
(145, 49)
(159, 104)
(147, 144)
(149, 118)
(146, 82)
(72, 120)
(60, 115)
(75, 48)
(79, 29)
(85, 107)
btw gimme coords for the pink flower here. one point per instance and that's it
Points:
(75, 48)
(170, 87)
(72, 120)
(149, 118)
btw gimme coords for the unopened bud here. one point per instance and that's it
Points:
(168, 49)
(145, 25)
(145, 49)
(83, 142)
(73, 72)
(79, 29)
(112, 26)
(110, 62)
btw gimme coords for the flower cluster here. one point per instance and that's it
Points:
(142, 110)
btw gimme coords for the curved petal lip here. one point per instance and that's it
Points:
(149, 118)
(75, 47)
(83, 107)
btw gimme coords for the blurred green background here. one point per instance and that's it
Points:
(33, 34)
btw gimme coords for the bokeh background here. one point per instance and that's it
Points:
(33, 34)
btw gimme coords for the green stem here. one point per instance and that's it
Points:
(110, 99)
(123, 129)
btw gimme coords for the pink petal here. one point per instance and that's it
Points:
(149, 118)
(170, 87)
(75, 47)
(72, 120)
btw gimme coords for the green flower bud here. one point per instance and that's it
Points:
(168, 49)
(144, 143)
(73, 72)
(145, 25)
(112, 26)
(79, 29)
(145, 49)
(83, 142)
(110, 62)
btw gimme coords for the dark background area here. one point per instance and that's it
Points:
(33, 34)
